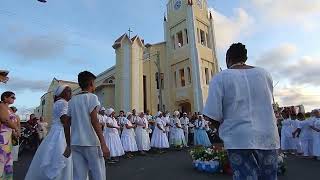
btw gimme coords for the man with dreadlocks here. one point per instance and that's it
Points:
(240, 100)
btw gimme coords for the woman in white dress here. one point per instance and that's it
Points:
(287, 141)
(178, 140)
(159, 138)
(128, 137)
(49, 162)
(304, 132)
(142, 134)
(111, 135)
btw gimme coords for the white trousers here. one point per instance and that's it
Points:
(88, 159)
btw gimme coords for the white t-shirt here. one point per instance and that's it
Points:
(241, 100)
(80, 108)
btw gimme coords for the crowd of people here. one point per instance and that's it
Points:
(80, 125)
(301, 135)
(83, 134)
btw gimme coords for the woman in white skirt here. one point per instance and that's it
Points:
(128, 137)
(111, 135)
(200, 135)
(49, 162)
(159, 138)
(316, 134)
(142, 134)
(177, 140)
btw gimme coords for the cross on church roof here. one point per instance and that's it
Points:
(129, 30)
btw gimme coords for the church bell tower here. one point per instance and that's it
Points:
(191, 55)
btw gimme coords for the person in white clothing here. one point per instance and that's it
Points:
(49, 163)
(167, 124)
(316, 134)
(142, 134)
(178, 139)
(185, 126)
(121, 119)
(159, 138)
(86, 141)
(134, 117)
(42, 129)
(102, 117)
(304, 132)
(239, 103)
(296, 140)
(111, 135)
(287, 141)
(128, 137)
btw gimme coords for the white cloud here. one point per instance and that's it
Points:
(277, 57)
(296, 95)
(17, 84)
(229, 29)
(304, 71)
(303, 13)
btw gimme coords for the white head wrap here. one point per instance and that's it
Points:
(176, 113)
(60, 89)
(102, 109)
(159, 113)
(184, 113)
(109, 111)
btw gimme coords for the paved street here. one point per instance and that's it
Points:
(177, 166)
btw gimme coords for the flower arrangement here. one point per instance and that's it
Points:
(212, 160)
(281, 164)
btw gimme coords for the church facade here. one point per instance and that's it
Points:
(170, 75)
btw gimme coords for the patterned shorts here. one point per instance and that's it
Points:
(253, 164)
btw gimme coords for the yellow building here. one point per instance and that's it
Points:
(46, 102)
(186, 60)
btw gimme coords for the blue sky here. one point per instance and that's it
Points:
(60, 38)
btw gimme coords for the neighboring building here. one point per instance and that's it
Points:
(187, 62)
(46, 103)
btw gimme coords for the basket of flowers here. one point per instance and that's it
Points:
(211, 160)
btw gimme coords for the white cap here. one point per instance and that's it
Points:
(102, 109)
(110, 111)
(60, 89)
(159, 113)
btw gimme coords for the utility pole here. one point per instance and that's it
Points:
(159, 81)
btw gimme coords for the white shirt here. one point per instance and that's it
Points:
(80, 108)
(241, 100)
(306, 131)
(184, 123)
(113, 122)
(127, 132)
